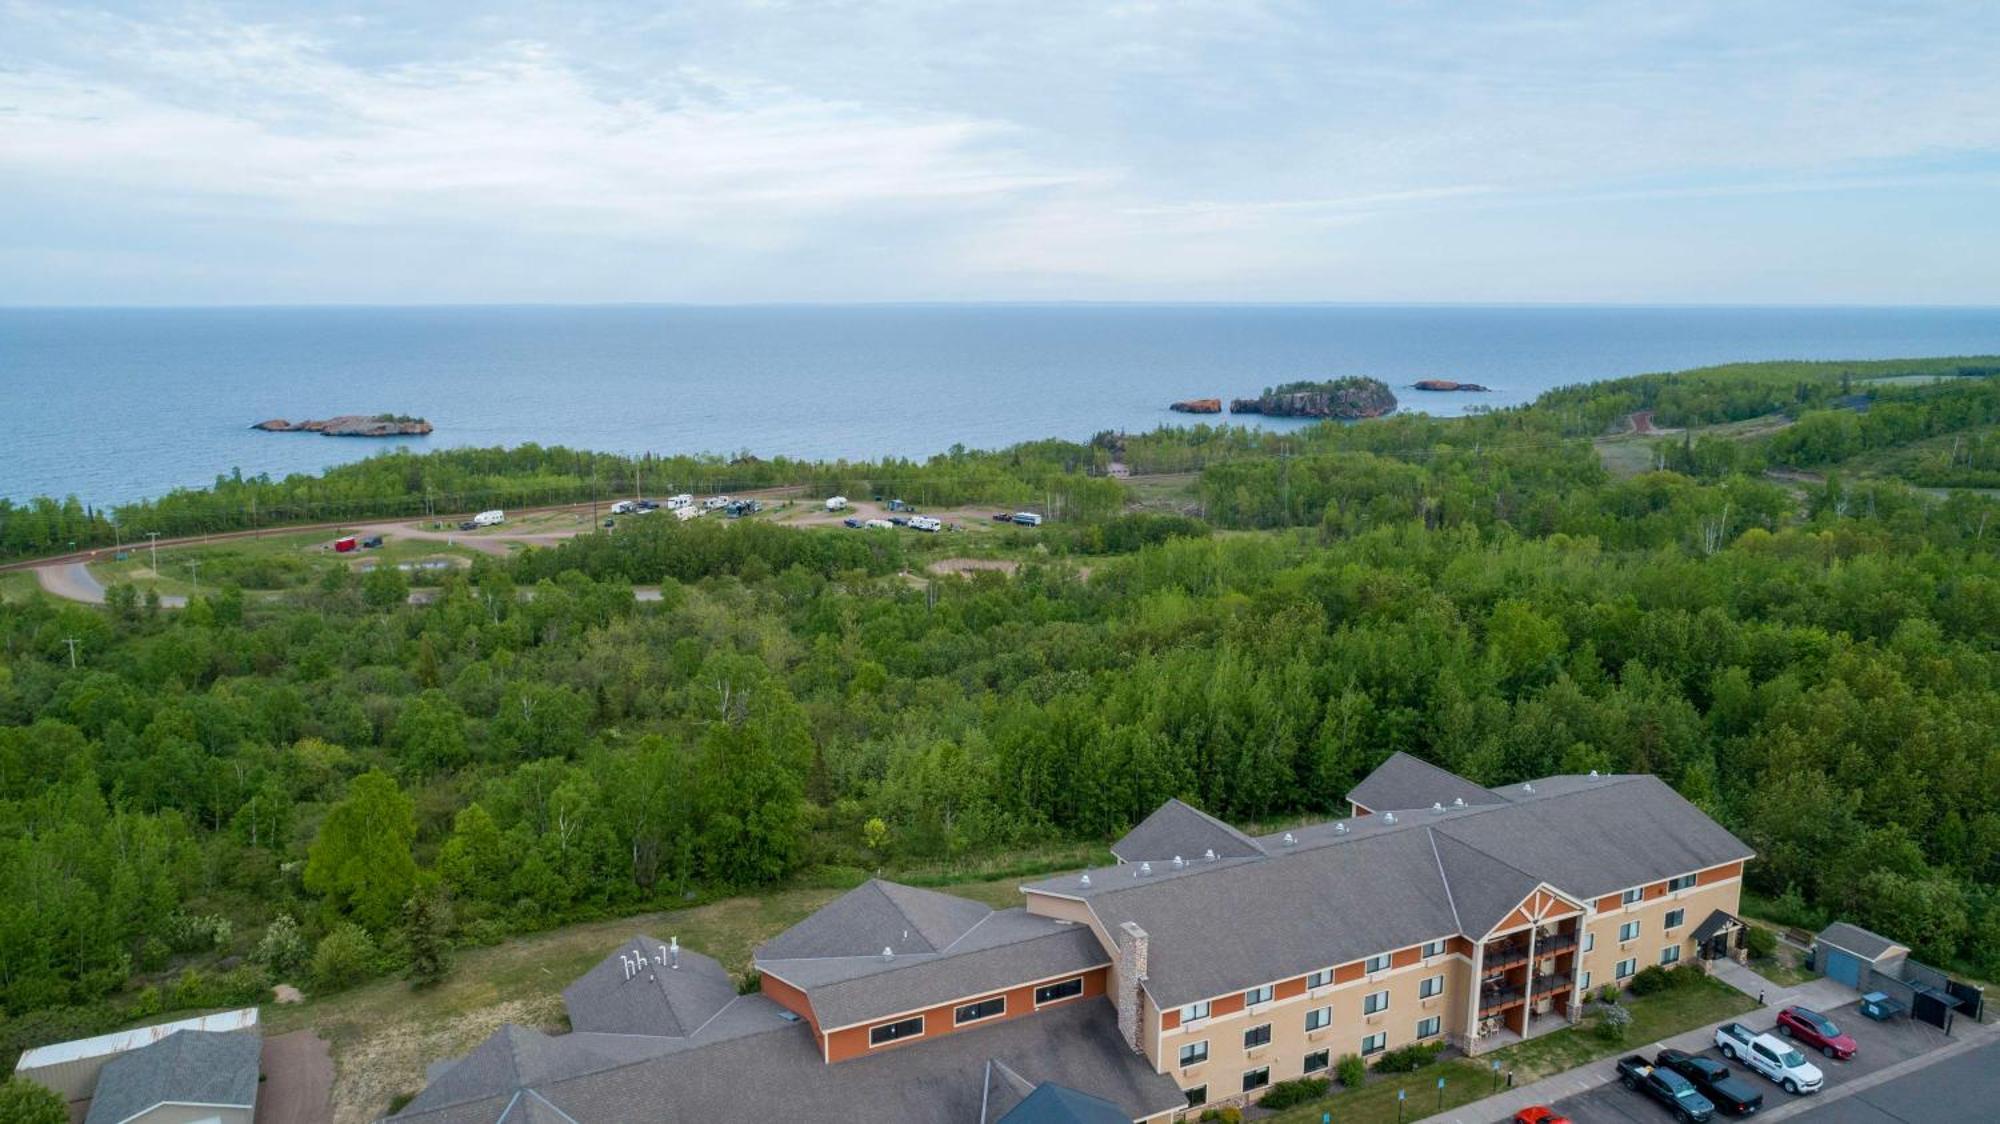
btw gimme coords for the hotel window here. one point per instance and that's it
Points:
(1681, 883)
(1051, 993)
(1375, 1003)
(1628, 931)
(1432, 986)
(1257, 995)
(1197, 1096)
(1194, 1011)
(1428, 1028)
(1257, 1078)
(1194, 1053)
(1316, 1061)
(1670, 954)
(1320, 978)
(896, 1031)
(1377, 963)
(1375, 1043)
(1433, 948)
(1589, 941)
(1626, 969)
(984, 1009)
(1675, 917)
(1634, 895)
(1583, 981)
(1319, 1017)
(1257, 1036)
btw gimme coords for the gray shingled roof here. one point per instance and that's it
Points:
(1217, 927)
(1008, 948)
(1181, 829)
(515, 1057)
(1051, 1103)
(188, 1066)
(660, 1000)
(1861, 942)
(1403, 782)
(877, 915)
(778, 1074)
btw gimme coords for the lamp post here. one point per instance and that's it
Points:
(1496, 1076)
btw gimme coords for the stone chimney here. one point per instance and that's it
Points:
(1131, 972)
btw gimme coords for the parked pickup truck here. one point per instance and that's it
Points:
(1730, 1094)
(1667, 1087)
(1771, 1056)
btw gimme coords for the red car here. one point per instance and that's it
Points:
(1817, 1031)
(1539, 1114)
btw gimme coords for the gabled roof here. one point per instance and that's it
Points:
(1178, 829)
(1402, 782)
(877, 915)
(1008, 948)
(514, 1058)
(1864, 943)
(1483, 889)
(197, 1067)
(1051, 1103)
(658, 999)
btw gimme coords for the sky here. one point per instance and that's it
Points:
(1824, 152)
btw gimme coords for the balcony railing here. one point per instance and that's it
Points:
(1546, 984)
(1549, 946)
(1505, 956)
(1498, 998)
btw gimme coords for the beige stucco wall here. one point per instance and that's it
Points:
(1603, 923)
(1290, 1042)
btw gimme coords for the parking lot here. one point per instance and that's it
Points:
(1879, 1045)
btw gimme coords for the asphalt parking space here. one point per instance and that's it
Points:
(1962, 1088)
(1877, 1046)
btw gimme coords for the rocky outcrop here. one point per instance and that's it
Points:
(1447, 384)
(1343, 399)
(352, 425)
(1198, 406)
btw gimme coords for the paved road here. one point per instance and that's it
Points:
(1965, 1087)
(75, 582)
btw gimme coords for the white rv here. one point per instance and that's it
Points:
(624, 507)
(926, 523)
(686, 512)
(489, 518)
(879, 525)
(837, 503)
(714, 502)
(1027, 519)
(675, 503)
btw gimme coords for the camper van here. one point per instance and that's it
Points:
(686, 512)
(675, 503)
(1027, 519)
(837, 503)
(489, 518)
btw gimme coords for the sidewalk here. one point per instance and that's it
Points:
(1821, 993)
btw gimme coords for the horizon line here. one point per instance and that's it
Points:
(1004, 303)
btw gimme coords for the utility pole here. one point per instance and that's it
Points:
(155, 536)
(72, 642)
(194, 571)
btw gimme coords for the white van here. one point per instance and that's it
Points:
(837, 503)
(489, 518)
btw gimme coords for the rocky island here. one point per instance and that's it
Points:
(352, 425)
(1197, 406)
(1343, 399)
(1448, 384)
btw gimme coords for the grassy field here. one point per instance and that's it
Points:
(1468, 1079)
(18, 585)
(276, 561)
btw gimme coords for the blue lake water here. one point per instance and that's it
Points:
(117, 404)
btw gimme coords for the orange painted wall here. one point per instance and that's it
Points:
(790, 998)
(1227, 1005)
(1459, 945)
(1348, 973)
(1719, 874)
(1404, 957)
(1288, 988)
(1171, 1020)
(852, 1042)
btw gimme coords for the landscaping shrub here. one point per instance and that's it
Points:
(1608, 994)
(1409, 1059)
(1762, 942)
(283, 948)
(1224, 1115)
(345, 957)
(1351, 1070)
(1651, 981)
(1612, 1022)
(25, 1102)
(1285, 1094)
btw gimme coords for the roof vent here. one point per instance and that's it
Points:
(1436, 807)
(888, 953)
(1209, 854)
(1086, 880)
(1388, 817)
(1593, 774)
(1145, 869)
(1290, 839)
(1179, 862)
(1340, 829)
(788, 1016)
(1528, 787)
(1458, 803)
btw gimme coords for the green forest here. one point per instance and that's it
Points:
(1793, 622)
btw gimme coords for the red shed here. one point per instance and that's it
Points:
(342, 546)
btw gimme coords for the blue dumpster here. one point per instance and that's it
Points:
(1880, 1007)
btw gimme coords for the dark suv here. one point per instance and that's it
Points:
(1815, 1030)
(1731, 1095)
